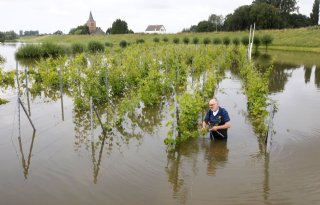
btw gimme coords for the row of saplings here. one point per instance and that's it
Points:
(265, 39)
(37, 51)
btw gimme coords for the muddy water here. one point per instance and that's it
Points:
(58, 164)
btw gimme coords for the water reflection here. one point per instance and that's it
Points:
(307, 74)
(184, 159)
(26, 164)
(96, 164)
(317, 77)
(216, 154)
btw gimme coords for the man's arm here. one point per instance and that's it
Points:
(204, 124)
(219, 127)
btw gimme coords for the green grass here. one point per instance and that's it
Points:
(303, 39)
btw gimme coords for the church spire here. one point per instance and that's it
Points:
(90, 17)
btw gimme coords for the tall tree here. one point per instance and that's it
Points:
(284, 6)
(239, 20)
(205, 26)
(314, 16)
(217, 21)
(265, 16)
(119, 27)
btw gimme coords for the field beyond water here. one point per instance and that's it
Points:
(303, 39)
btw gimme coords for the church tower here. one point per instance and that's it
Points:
(91, 24)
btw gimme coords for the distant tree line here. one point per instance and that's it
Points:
(8, 36)
(266, 14)
(28, 33)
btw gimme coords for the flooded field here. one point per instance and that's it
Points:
(59, 164)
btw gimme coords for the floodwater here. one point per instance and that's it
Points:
(58, 164)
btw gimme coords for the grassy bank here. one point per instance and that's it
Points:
(303, 39)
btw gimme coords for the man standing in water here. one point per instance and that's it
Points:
(218, 120)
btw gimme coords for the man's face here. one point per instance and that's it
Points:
(213, 105)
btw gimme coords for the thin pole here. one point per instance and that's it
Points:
(61, 95)
(91, 118)
(27, 90)
(26, 113)
(17, 75)
(94, 108)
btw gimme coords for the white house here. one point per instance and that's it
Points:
(155, 29)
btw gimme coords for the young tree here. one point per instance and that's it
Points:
(266, 40)
(314, 16)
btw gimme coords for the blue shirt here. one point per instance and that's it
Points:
(220, 119)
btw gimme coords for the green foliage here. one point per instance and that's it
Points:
(8, 36)
(77, 48)
(176, 40)
(29, 51)
(190, 106)
(124, 81)
(140, 41)
(156, 39)
(40, 51)
(205, 26)
(6, 78)
(314, 16)
(265, 16)
(80, 30)
(256, 89)
(226, 40)
(119, 27)
(186, 40)
(95, 46)
(165, 39)
(206, 41)
(266, 40)
(236, 41)
(217, 41)
(2, 59)
(108, 44)
(195, 40)
(245, 40)
(52, 50)
(123, 44)
(256, 42)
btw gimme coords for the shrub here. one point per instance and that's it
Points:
(195, 40)
(236, 41)
(206, 41)
(217, 41)
(245, 40)
(95, 46)
(226, 40)
(107, 44)
(29, 51)
(266, 40)
(123, 44)
(176, 40)
(186, 40)
(77, 48)
(156, 39)
(139, 41)
(52, 50)
(165, 39)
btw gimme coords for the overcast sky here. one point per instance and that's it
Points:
(48, 16)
